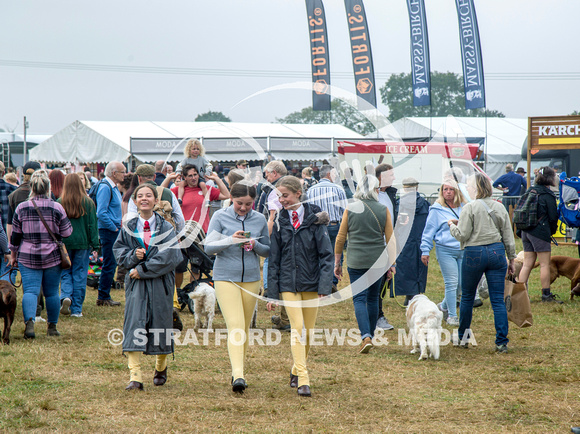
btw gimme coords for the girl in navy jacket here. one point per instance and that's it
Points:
(299, 270)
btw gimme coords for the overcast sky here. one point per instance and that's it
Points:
(170, 60)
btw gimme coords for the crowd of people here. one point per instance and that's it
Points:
(300, 227)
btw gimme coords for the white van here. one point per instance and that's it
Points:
(425, 161)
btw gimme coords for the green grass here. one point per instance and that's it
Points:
(76, 382)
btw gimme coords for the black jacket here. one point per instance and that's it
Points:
(547, 214)
(411, 275)
(301, 260)
(392, 193)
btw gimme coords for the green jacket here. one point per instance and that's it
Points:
(85, 231)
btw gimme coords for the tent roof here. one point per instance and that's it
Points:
(97, 141)
(504, 135)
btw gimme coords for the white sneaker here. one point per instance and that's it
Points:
(76, 315)
(382, 323)
(65, 306)
(453, 321)
(39, 319)
(445, 311)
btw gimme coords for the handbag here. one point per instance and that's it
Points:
(65, 262)
(517, 303)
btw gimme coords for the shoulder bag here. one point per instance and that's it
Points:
(65, 263)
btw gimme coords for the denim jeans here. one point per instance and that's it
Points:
(32, 280)
(450, 260)
(4, 267)
(107, 238)
(332, 233)
(490, 260)
(366, 304)
(73, 283)
(265, 273)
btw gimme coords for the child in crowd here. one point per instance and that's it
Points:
(147, 247)
(194, 154)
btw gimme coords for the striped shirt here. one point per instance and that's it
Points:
(35, 247)
(329, 197)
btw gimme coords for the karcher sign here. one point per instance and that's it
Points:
(558, 132)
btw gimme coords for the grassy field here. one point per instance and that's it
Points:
(76, 382)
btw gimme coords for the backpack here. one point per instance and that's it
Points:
(526, 212)
(94, 190)
(164, 207)
(568, 208)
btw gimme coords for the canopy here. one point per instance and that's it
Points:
(95, 141)
(78, 142)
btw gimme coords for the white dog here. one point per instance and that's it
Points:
(204, 306)
(424, 321)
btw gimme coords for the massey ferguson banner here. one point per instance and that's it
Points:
(419, 53)
(360, 43)
(319, 54)
(471, 55)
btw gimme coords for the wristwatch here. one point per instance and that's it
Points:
(179, 201)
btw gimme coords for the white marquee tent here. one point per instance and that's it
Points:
(100, 142)
(505, 136)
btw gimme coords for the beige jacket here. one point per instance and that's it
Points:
(477, 228)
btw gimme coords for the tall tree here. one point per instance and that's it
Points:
(212, 117)
(340, 113)
(447, 97)
(574, 113)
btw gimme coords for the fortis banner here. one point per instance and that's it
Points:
(360, 43)
(319, 54)
(471, 55)
(419, 53)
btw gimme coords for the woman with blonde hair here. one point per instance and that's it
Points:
(11, 178)
(82, 214)
(36, 253)
(84, 180)
(484, 232)
(299, 270)
(307, 180)
(449, 255)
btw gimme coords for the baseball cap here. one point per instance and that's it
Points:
(30, 167)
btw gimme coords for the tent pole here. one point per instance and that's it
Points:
(485, 146)
(24, 151)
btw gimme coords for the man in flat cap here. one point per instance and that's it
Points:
(411, 275)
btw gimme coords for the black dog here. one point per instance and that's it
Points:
(7, 308)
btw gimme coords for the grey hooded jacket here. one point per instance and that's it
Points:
(149, 299)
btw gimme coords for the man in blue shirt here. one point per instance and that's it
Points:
(109, 218)
(513, 185)
(329, 195)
